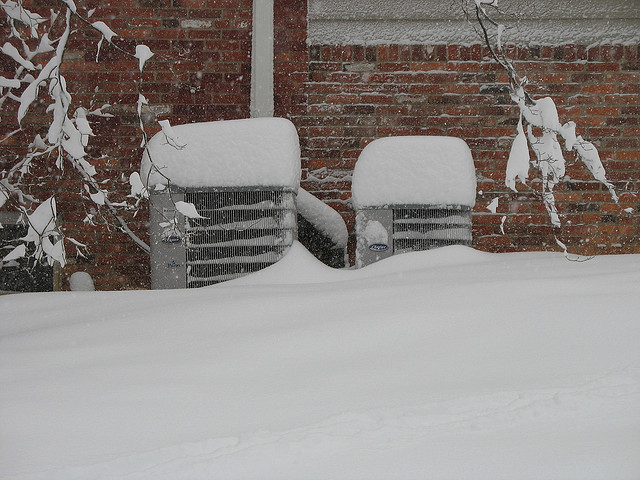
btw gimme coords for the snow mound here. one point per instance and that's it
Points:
(81, 282)
(298, 266)
(325, 218)
(444, 364)
(233, 153)
(414, 170)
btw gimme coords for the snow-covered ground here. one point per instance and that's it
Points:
(447, 364)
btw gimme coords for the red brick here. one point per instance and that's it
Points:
(622, 99)
(603, 67)
(608, 111)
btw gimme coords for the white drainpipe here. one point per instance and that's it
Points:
(262, 59)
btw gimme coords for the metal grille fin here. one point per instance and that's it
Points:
(241, 232)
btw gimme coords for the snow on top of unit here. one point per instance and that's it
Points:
(414, 170)
(323, 217)
(231, 153)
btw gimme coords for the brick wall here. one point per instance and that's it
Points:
(200, 72)
(355, 94)
(341, 98)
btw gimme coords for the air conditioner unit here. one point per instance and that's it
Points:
(242, 231)
(242, 177)
(412, 193)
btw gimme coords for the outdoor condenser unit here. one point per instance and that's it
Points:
(242, 231)
(222, 199)
(410, 194)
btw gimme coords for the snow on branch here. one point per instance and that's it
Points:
(17, 13)
(540, 113)
(38, 80)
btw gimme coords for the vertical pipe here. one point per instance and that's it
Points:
(262, 59)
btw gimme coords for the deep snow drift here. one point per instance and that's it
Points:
(441, 364)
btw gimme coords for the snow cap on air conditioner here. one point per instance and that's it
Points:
(231, 153)
(414, 170)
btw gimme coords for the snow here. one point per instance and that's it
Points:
(9, 82)
(417, 170)
(104, 29)
(187, 209)
(143, 53)
(325, 218)
(589, 155)
(81, 282)
(233, 153)
(170, 135)
(15, 11)
(493, 205)
(137, 187)
(18, 252)
(374, 233)
(416, 22)
(543, 113)
(13, 53)
(83, 127)
(518, 162)
(42, 229)
(449, 363)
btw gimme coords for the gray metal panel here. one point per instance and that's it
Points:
(168, 252)
(10, 217)
(374, 234)
(425, 227)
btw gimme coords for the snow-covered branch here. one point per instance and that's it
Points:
(540, 114)
(39, 80)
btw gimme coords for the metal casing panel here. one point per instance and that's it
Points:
(374, 234)
(168, 251)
